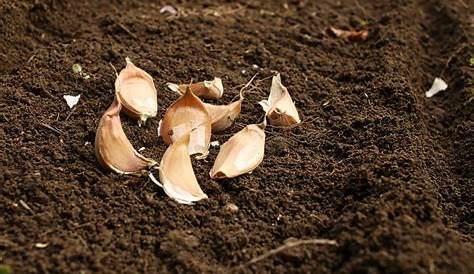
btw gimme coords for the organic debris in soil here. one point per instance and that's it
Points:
(351, 35)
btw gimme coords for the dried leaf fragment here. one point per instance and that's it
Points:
(137, 92)
(351, 35)
(279, 108)
(206, 89)
(112, 147)
(188, 115)
(177, 175)
(241, 154)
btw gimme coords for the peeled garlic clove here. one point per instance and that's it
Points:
(187, 114)
(113, 149)
(206, 89)
(177, 175)
(222, 116)
(280, 109)
(137, 92)
(241, 154)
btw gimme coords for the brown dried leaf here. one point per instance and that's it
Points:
(352, 35)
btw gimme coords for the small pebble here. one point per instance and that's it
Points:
(232, 208)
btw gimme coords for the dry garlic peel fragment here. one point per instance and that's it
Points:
(206, 89)
(137, 92)
(279, 108)
(177, 175)
(112, 147)
(241, 154)
(188, 115)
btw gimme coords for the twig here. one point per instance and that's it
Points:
(464, 4)
(286, 246)
(27, 207)
(361, 8)
(51, 128)
(249, 82)
(70, 113)
(31, 58)
(241, 92)
(6, 242)
(263, 79)
(47, 93)
(82, 225)
(115, 70)
(451, 57)
(127, 31)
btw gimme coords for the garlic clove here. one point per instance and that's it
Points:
(241, 154)
(137, 92)
(112, 147)
(177, 175)
(188, 115)
(206, 89)
(279, 108)
(223, 116)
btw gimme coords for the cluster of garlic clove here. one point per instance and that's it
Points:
(186, 127)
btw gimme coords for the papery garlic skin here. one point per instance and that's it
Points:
(177, 175)
(137, 92)
(112, 147)
(241, 154)
(280, 108)
(206, 89)
(188, 115)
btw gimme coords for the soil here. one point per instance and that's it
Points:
(375, 165)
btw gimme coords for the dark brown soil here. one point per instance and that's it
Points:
(375, 166)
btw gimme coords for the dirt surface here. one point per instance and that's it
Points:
(375, 166)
